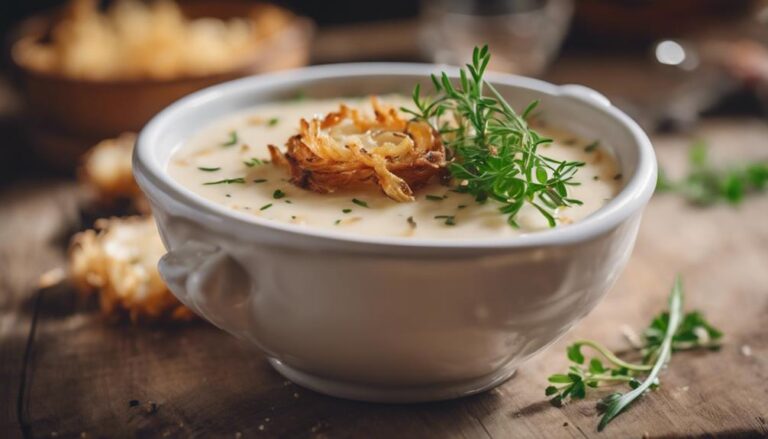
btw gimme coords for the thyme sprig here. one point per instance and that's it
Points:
(494, 151)
(669, 332)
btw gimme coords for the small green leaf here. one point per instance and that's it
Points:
(596, 366)
(579, 391)
(232, 139)
(559, 379)
(541, 174)
(550, 390)
(238, 180)
(574, 353)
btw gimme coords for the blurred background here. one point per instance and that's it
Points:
(65, 86)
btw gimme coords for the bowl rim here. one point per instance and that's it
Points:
(630, 200)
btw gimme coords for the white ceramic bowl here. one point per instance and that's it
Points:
(390, 319)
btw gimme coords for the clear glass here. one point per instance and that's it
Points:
(524, 35)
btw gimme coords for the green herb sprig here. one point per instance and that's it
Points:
(495, 152)
(706, 185)
(669, 332)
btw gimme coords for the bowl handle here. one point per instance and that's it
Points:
(211, 283)
(586, 94)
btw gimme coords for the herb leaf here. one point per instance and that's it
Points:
(253, 162)
(203, 168)
(232, 139)
(360, 203)
(238, 180)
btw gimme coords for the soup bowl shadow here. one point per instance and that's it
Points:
(379, 318)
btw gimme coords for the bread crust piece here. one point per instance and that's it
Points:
(118, 261)
(106, 169)
(347, 148)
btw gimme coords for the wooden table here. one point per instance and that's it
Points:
(65, 372)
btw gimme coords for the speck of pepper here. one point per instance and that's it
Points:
(133, 403)
(565, 424)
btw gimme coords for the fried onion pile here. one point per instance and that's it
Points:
(348, 148)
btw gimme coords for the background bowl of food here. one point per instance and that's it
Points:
(89, 74)
(382, 316)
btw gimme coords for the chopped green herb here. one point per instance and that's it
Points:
(595, 178)
(278, 194)
(617, 176)
(570, 141)
(253, 162)
(411, 222)
(266, 206)
(669, 332)
(289, 201)
(436, 197)
(360, 203)
(260, 180)
(592, 146)
(336, 223)
(461, 206)
(346, 210)
(239, 180)
(273, 121)
(293, 217)
(450, 220)
(496, 152)
(208, 169)
(232, 139)
(228, 195)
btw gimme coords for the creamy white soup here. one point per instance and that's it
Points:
(227, 162)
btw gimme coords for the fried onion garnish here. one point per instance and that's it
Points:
(118, 260)
(347, 148)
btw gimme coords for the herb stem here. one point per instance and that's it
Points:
(617, 405)
(610, 356)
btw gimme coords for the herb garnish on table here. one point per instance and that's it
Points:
(669, 332)
(705, 185)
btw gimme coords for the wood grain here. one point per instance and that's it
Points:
(64, 372)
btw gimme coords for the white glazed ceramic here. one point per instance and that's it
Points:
(389, 319)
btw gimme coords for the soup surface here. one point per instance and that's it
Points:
(227, 162)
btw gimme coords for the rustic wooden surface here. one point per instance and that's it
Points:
(65, 372)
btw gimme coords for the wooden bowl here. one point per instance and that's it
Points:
(65, 110)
